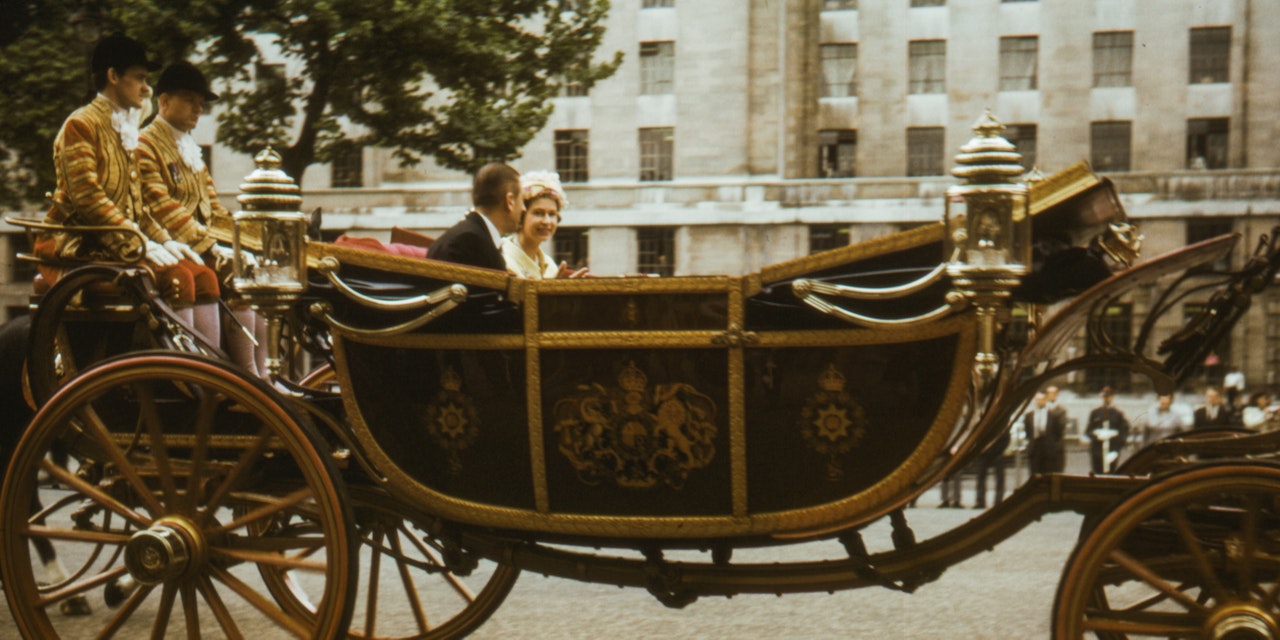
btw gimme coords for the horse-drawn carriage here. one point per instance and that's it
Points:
(468, 425)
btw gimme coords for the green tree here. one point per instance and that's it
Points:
(460, 81)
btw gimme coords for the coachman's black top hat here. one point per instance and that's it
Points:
(184, 76)
(118, 51)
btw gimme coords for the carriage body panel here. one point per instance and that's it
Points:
(658, 407)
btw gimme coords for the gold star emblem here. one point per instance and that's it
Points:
(833, 423)
(452, 422)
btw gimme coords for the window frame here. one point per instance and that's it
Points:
(926, 162)
(926, 70)
(1120, 57)
(1014, 52)
(835, 66)
(1095, 149)
(657, 156)
(570, 164)
(652, 243)
(657, 67)
(832, 142)
(1205, 63)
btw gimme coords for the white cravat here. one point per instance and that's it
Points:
(125, 122)
(187, 148)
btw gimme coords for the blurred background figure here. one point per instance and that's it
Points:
(1258, 414)
(1107, 431)
(1214, 413)
(1164, 419)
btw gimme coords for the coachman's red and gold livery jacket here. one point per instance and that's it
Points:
(98, 184)
(181, 199)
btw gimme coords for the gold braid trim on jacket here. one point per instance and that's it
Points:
(182, 200)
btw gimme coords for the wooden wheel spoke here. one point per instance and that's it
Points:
(375, 570)
(161, 625)
(1178, 515)
(205, 414)
(1249, 545)
(219, 609)
(95, 537)
(76, 588)
(273, 559)
(190, 609)
(268, 510)
(1141, 571)
(98, 431)
(126, 611)
(274, 544)
(406, 580)
(159, 446)
(260, 603)
(1148, 623)
(458, 587)
(242, 467)
(94, 493)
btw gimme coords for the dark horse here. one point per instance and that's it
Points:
(15, 415)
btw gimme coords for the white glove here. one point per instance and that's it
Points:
(156, 254)
(180, 250)
(222, 253)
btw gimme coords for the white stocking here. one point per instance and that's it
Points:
(239, 345)
(260, 332)
(187, 315)
(208, 321)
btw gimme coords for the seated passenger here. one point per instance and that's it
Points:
(180, 195)
(495, 194)
(543, 201)
(95, 154)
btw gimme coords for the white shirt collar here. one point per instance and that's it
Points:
(493, 229)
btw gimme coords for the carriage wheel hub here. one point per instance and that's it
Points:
(162, 552)
(1242, 622)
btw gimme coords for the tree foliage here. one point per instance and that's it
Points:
(460, 81)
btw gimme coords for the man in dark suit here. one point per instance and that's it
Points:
(475, 241)
(1214, 414)
(1103, 419)
(1043, 427)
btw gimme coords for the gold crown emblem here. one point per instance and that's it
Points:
(831, 379)
(450, 380)
(632, 378)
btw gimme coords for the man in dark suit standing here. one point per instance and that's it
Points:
(1043, 427)
(1106, 423)
(475, 241)
(1215, 414)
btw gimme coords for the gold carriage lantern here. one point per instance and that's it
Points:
(988, 222)
(271, 283)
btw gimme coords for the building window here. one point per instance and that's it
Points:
(1210, 55)
(655, 4)
(347, 168)
(839, 70)
(1023, 136)
(1109, 145)
(572, 147)
(657, 147)
(1116, 323)
(839, 5)
(657, 67)
(827, 236)
(1201, 229)
(837, 153)
(1207, 143)
(925, 151)
(1113, 59)
(928, 66)
(206, 154)
(928, 3)
(657, 250)
(1018, 57)
(571, 246)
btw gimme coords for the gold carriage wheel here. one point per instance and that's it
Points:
(188, 456)
(406, 592)
(1191, 555)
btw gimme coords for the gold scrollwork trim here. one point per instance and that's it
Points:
(628, 339)
(883, 245)
(846, 337)
(435, 269)
(737, 411)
